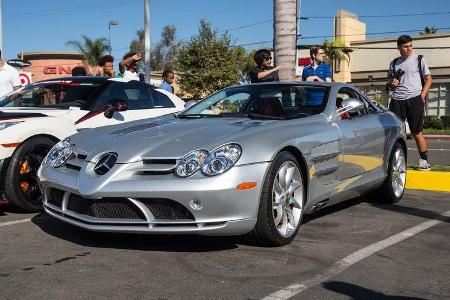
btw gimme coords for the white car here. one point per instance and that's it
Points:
(39, 115)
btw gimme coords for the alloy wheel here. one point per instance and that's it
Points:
(287, 199)
(398, 173)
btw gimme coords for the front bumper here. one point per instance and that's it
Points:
(159, 204)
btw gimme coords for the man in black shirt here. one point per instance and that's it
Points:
(264, 71)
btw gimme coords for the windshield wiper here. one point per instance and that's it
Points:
(196, 116)
(297, 115)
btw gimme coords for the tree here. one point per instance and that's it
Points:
(168, 46)
(208, 62)
(137, 45)
(247, 64)
(285, 37)
(335, 52)
(163, 54)
(92, 50)
(429, 30)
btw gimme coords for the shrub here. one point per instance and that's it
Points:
(446, 121)
(433, 122)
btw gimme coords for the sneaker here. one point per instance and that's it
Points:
(423, 165)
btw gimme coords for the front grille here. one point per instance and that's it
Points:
(55, 197)
(106, 208)
(167, 209)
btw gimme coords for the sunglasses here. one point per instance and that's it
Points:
(268, 58)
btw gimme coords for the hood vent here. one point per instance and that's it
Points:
(157, 166)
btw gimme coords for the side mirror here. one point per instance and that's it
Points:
(115, 106)
(189, 104)
(350, 105)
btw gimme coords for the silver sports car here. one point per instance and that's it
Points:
(248, 159)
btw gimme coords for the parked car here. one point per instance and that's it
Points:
(34, 118)
(248, 159)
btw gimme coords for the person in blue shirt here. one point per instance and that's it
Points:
(318, 70)
(168, 79)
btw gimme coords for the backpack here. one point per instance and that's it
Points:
(419, 58)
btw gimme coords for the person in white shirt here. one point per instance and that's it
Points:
(9, 78)
(130, 64)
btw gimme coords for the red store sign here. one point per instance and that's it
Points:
(57, 70)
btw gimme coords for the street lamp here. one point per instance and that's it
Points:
(112, 22)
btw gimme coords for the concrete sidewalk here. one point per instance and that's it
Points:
(437, 137)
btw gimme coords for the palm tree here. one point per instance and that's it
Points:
(429, 30)
(285, 37)
(137, 45)
(163, 54)
(336, 52)
(92, 50)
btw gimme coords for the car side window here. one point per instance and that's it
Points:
(346, 93)
(135, 94)
(160, 100)
(370, 107)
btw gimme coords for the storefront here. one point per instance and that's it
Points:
(52, 64)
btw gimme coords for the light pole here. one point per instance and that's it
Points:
(147, 40)
(112, 22)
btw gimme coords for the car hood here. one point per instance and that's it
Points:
(166, 137)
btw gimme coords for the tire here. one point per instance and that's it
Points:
(281, 205)
(394, 186)
(21, 185)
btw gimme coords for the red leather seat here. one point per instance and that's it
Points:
(272, 107)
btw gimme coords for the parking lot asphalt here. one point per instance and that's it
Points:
(350, 250)
(438, 152)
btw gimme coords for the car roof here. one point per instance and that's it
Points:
(81, 79)
(91, 79)
(312, 83)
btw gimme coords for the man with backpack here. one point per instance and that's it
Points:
(410, 80)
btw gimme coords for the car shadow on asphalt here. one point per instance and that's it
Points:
(147, 242)
(412, 211)
(358, 292)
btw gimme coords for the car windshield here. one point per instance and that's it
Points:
(277, 101)
(51, 94)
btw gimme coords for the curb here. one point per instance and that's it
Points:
(437, 137)
(428, 180)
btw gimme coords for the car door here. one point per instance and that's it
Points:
(142, 101)
(363, 137)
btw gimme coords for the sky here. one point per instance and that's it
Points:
(41, 25)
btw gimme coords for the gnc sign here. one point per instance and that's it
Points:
(57, 70)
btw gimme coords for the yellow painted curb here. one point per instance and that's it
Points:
(428, 180)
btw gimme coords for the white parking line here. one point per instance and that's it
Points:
(351, 259)
(14, 222)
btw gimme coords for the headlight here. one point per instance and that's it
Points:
(191, 163)
(59, 154)
(221, 159)
(8, 124)
(210, 164)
